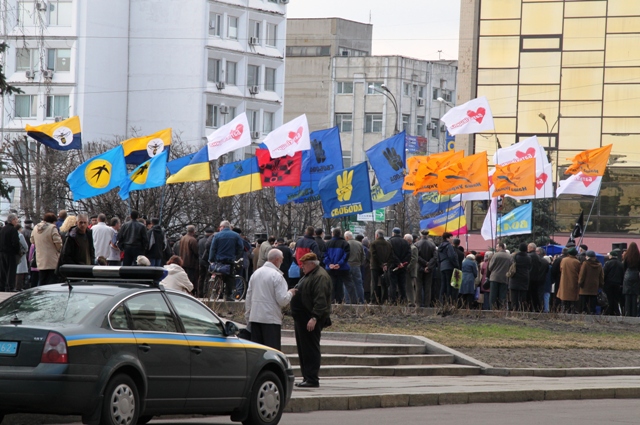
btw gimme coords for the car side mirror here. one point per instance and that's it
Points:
(230, 329)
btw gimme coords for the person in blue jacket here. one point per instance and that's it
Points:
(336, 264)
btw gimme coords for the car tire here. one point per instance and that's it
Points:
(266, 401)
(121, 405)
(142, 420)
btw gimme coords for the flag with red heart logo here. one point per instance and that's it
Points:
(526, 149)
(229, 137)
(472, 117)
(579, 184)
(289, 138)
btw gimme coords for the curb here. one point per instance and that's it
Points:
(358, 402)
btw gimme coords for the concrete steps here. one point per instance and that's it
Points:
(377, 360)
(417, 370)
(328, 347)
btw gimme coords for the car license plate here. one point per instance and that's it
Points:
(8, 348)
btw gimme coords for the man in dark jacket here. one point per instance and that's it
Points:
(307, 244)
(448, 257)
(498, 280)
(322, 246)
(613, 279)
(132, 239)
(204, 244)
(9, 250)
(336, 262)
(311, 310)
(287, 257)
(227, 247)
(78, 245)
(156, 243)
(381, 259)
(519, 282)
(427, 266)
(538, 271)
(402, 252)
(189, 254)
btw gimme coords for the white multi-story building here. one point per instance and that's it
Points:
(131, 67)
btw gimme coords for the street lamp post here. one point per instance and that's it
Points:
(385, 91)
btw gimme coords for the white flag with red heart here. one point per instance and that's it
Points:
(579, 184)
(526, 149)
(472, 117)
(229, 137)
(289, 138)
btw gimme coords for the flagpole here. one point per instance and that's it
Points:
(162, 202)
(586, 224)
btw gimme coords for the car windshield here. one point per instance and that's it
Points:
(42, 306)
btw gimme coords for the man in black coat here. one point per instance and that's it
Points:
(427, 267)
(519, 282)
(448, 261)
(402, 251)
(78, 245)
(9, 250)
(613, 279)
(538, 268)
(133, 239)
(287, 257)
(322, 245)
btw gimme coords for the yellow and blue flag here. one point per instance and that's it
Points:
(388, 159)
(63, 136)
(346, 192)
(177, 164)
(98, 175)
(151, 173)
(239, 177)
(195, 170)
(453, 221)
(141, 149)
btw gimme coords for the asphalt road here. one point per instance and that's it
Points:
(586, 412)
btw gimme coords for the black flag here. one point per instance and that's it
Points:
(577, 230)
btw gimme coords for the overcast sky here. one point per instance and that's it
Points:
(413, 28)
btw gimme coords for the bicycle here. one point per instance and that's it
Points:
(215, 289)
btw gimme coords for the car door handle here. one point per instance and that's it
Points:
(144, 347)
(196, 350)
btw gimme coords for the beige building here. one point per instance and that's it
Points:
(568, 72)
(333, 78)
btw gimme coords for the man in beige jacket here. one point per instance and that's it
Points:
(48, 245)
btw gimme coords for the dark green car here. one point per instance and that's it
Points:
(113, 346)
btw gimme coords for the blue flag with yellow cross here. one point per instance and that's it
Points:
(346, 192)
(98, 175)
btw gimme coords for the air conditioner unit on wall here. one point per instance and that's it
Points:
(254, 41)
(220, 85)
(224, 110)
(31, 74)
(255, 134)
(48, 74)
(284, 1)
(420, 101)
(254, 89)
(41, 6)
(430, 126)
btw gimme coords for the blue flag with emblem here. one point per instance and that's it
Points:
(380, 199)
(98, 175)
(388, 159)
(151, 173)
(324, 158)
(346, 192)
(433, 202)
(516, 222)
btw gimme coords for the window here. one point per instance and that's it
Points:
(232, 28)
(270, 79)
(231, 114)
(297, 51)
(26, 106)
(59, 60)
(346, 159)
(421, 92)
(407, 89)
(231, 73)
(27, 59)
(419, 126)
(196, 318)
(211, 119)
(268, 119)
(345, 87)
(253, 75)
(436, 93)
(213, 70)
(344, 122)
(374, 87)
(252, 117)
(435, 130)
(50, 307)
(27, 13)
(57, 106)
(406, 122)
(373, 123)
(256, 29)
(149, 312)
(60, 13)
(446, 95)
(118, 318)
(272, 35)
(215, 24)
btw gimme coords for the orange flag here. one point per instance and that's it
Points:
(467, 175)
(427, 176)
(591, 162)
(515, 179)
(413, 164)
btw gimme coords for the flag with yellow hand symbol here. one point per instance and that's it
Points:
(346, 192)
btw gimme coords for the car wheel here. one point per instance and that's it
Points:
(266, 401)
(144, 419)
(121, 402)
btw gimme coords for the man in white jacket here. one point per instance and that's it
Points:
(266, 296)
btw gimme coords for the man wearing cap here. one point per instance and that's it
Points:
(590, 280)
(613, 278)
(569, 290)
(311, 308)
(427, 265)
(266, 296)
(204, 243)
(402, 252)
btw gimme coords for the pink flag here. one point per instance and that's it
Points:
(289, 138)
(472, 117)
(229, 137)
(579, 184)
